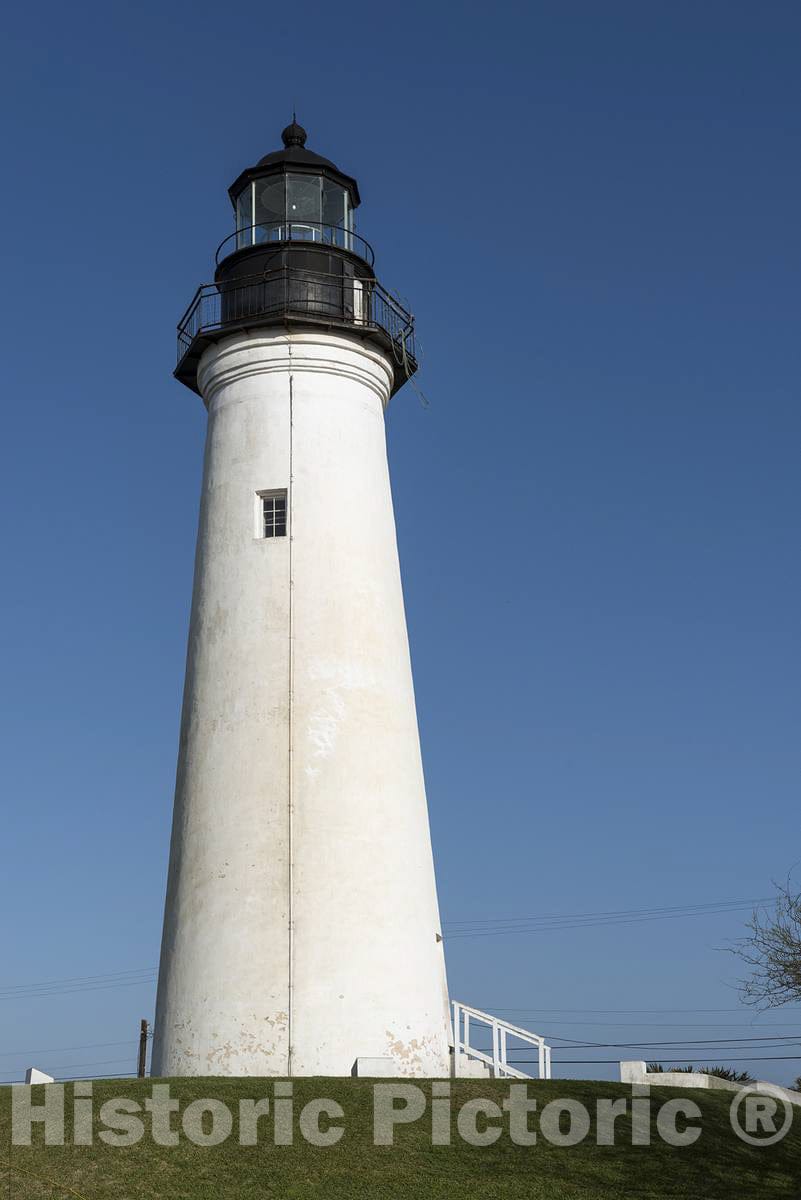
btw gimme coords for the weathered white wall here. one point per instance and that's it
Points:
(301, 919)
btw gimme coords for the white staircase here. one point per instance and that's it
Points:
(470, 1061)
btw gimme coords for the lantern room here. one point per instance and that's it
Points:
(294, 195)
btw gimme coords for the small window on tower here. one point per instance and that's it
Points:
(273, 514)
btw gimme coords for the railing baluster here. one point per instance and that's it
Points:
(295, 292)
(457, 1021)
(498, 1060)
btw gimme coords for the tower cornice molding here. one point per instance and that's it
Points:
(253, 353)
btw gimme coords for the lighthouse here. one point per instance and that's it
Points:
(301, 927)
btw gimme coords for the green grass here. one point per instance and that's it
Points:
(718, 1165)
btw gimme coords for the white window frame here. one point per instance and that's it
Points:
(261, 496)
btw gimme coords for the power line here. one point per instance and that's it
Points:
(105, 1062)
(709, 1045)
(598, 1062)
(620, 912)
(6, 987)
(68, 1049)
(70, 991)
(673, 1024)
(675, 1052)
(678, 1049)
(572, 1043)
(98, 1078)
(551, 924)
(619, 1011)
(553, 1037)
(692, 1048)
(558, 928)
(783, 1037)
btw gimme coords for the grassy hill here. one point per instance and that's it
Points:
(717, 1165)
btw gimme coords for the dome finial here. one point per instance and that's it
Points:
(294, 134)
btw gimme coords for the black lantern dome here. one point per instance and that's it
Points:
(295, 258)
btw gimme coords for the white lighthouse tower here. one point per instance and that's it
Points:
(301, 929)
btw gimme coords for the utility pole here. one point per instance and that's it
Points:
(143, 1034)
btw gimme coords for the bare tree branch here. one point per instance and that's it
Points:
(772, 950)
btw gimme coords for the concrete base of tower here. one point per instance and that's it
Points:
(301, 928)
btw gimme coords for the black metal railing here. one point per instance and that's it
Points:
(316, 232)
(290, 292)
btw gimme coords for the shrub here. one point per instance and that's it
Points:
(721, 1072)
(656, 1068)
(728, 1073)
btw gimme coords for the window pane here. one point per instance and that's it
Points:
(304, 200)
(244, 216)
(269, 208)
(274, 515)
(335, 200)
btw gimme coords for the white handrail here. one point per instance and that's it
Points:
(500, 1031)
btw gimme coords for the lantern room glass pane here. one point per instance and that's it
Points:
(244, 216)
(304, 203)
(336, 214)
(294, 207)
(269, 209)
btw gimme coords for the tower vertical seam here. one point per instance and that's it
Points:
(290, 748)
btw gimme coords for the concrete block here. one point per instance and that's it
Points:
(632, 1072)
(32, 1075)
(635, 1072)
(375, 1068)
(471, 1068)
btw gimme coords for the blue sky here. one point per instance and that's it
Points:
(593, 210)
